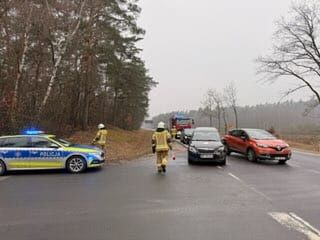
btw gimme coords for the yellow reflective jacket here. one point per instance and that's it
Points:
(161, 140)
(174, 131)
(101, 137)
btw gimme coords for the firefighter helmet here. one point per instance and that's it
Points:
(161, 125)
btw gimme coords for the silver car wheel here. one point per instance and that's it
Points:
(76, 165)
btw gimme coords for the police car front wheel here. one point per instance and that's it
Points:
(76, 165)
(2, 168)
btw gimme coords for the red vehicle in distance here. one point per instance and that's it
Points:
(257, 144)
(181, 122)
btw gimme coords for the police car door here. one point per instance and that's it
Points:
(45, 154)
(15, 152)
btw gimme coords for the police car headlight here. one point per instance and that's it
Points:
(94, 156)
(193, 149)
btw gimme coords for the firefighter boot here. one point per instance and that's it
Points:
(164, 165)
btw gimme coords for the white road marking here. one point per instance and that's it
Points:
(250, 187)
(219, 167)
(235, 177)
(313, 171)
(260, 193)
(3, 178)
(292, 221)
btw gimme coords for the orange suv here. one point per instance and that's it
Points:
(257, 144)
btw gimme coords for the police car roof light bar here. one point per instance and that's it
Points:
(33, 132)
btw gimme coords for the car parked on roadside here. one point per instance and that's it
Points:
(33, 151)
(257, 144)
(186, 135)
(206, 146)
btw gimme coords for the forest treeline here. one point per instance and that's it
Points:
(71, 64)
(286, 117)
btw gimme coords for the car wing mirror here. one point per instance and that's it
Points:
(244, 138)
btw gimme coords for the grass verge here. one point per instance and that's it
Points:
(304, 142)
(121, 144)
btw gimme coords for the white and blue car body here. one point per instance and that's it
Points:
(40, 151)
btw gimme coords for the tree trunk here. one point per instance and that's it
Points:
(224, 115)
(21, 65)
(85, 112)
(236, 116)
(211, 120)
(61, 51)
(115, 110)
(219, 118)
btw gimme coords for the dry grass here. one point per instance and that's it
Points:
(304, 142)
(121, 144)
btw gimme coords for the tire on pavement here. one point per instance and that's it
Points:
(252, 157)
(3, 168)
(190, 161)
(282, 162)
(76, 164)
(227, 149)
(224, 162)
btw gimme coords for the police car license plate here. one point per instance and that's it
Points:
(280, 158)
(207, 156)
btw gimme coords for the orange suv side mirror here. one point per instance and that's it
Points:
(244, 138)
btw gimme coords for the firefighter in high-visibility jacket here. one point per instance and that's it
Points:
(161, 144)
(101, 137)
(173, 132)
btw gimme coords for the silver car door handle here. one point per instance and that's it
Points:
(34, 152)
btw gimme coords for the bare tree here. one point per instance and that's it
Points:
(225, 118)
(296, 51)
(209, 106)
(217, 98)
(230, 93)
(213, 106)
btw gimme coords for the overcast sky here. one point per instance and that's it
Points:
(191, 46)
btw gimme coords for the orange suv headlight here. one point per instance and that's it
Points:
(262, 145)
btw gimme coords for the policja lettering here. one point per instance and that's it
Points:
(50, 154)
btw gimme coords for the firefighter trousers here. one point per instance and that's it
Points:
(162, 158)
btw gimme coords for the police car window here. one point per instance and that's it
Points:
(1, 142)
(39, 142)
(62, 141)
(15, 142)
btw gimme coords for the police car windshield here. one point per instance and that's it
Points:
(62, 141)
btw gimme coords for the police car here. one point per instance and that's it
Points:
(35, 150)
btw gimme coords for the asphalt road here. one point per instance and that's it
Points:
(242, 201)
